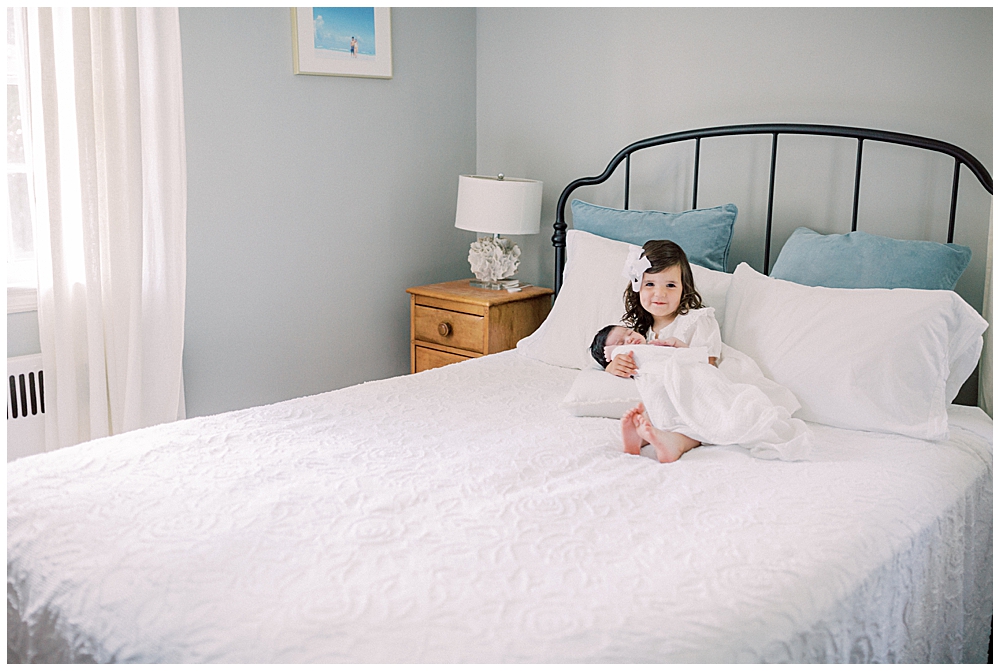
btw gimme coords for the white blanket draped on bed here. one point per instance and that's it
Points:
(729, 405)
(459, 515)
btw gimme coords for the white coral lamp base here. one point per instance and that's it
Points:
(493, 260)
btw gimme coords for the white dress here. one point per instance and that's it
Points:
(732, 404)
(697, 328)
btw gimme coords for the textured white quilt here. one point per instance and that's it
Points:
(461, 515)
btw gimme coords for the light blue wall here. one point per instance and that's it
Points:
(314, 202)
(560, 91)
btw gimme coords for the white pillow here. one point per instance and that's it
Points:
(887, 360)
(713, 287)
(596, 393)
(592, 296)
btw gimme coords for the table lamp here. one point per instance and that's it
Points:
(495, 206)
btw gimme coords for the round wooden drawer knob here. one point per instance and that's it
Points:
(444, 328)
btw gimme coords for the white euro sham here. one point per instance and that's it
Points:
(887, 360)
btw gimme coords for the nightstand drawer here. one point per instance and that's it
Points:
(444, 327)
(425, 358)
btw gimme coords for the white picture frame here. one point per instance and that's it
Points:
(342, 41)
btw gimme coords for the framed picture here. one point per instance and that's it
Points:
(342, 41)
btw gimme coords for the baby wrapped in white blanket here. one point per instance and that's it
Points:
(726, 405)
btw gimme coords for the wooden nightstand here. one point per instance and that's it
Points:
(453, 321)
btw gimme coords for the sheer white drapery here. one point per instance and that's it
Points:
(111, 192)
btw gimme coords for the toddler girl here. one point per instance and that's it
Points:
(662, 304)
(686, 401)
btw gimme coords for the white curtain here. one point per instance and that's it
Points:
(986, 363)
(110, 186)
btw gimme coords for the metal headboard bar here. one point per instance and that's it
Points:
(961, 157)
(697, 163)
(954, 201)
(770, 203)
(857, 186)
(628, 168)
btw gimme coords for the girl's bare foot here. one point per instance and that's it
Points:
(633, 443)
(669, 445)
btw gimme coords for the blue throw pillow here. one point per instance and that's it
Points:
(704, 235)
(861, 260)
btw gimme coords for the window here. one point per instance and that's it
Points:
(21, 269)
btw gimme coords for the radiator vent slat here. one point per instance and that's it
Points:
(12, 400)
(34, 397)
(24, 399)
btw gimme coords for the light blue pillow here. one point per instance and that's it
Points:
(704, 235)
(861, 260)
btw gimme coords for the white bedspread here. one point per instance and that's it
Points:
(460, 515)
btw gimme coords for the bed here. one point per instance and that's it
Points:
(484, 511)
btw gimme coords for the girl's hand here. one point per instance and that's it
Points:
(670, 342)
(622, 365)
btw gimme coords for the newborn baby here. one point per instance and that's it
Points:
(613, 335)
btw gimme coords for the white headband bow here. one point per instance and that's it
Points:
(635, 265)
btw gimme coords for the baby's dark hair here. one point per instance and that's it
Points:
(597, 346)
(662, 254)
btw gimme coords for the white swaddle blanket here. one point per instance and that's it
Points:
(729, 405)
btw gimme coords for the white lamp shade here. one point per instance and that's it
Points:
(506, 206)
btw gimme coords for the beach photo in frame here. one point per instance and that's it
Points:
(342, 41)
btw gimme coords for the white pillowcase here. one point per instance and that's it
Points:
(596, 393)
(887, 360)
(713, 287)
(592, 296)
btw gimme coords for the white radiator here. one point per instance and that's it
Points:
(25, 406)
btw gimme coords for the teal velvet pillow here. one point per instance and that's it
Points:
(704, 235)
(861, 260)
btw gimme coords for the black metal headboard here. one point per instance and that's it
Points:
(961, 157)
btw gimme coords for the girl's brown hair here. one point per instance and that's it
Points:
(662, 254)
